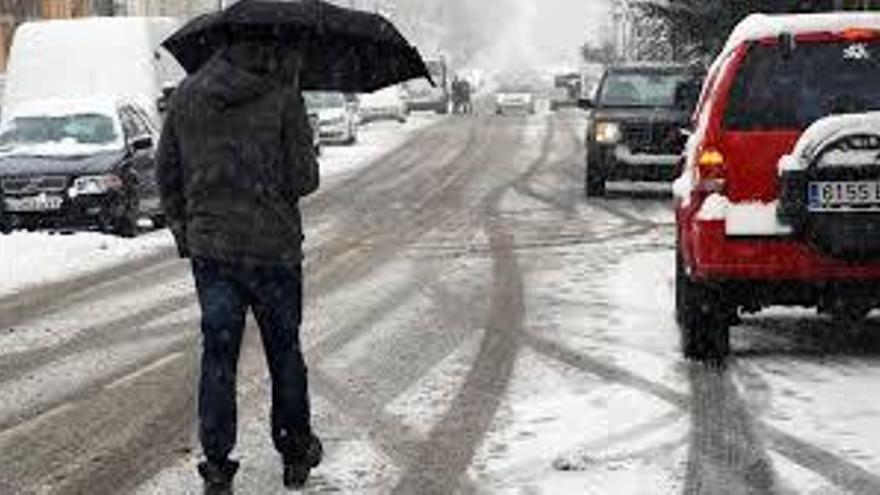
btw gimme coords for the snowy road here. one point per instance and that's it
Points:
(473, 325)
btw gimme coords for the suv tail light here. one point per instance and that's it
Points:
(859, 34)
(711, 170)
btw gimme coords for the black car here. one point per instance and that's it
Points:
(69, 165)
(636, 122)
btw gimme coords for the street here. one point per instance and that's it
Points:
(473, 324)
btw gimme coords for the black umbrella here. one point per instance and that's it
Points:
(343, 49)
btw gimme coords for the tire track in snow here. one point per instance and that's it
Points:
(105, 334)
(726, 455)
(33, 302)
(442, 461)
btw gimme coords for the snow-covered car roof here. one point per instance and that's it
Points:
(762, 26)
(61, 107)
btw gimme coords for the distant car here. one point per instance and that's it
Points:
(561, 98)
(635, 127)
(515, 98)
(566, 90)
(337, 116)
(385, 104)
(78, 164)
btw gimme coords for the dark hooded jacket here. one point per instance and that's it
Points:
(235, 157)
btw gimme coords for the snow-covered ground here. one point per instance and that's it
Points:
(30, 259)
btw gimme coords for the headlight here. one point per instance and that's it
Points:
(608, 133)
(96, 184)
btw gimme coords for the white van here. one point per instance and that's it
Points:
(107, 57)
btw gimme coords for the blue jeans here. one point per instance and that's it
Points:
(274, 294)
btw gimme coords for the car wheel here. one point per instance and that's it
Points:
(702, 321)
(126, 225)
(5, 225)
(595, 182)
(159, 221)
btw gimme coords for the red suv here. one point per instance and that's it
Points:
(762, 225)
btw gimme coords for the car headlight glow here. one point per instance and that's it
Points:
(608, 132)
(96, 184)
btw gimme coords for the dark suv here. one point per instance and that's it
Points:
(634, 131)
(83, 164)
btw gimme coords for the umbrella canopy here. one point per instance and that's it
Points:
(343, 49)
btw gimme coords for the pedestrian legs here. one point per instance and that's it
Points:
(277, 306)
(223, 307)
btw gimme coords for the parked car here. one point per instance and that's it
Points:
(515, 97)
(762, 218)
(634, 130)
(385, 104)
(567, 89)
(337, 116)
(78, 164)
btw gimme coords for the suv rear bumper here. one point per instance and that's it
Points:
(716, 256)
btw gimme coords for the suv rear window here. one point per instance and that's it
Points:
(775, 92)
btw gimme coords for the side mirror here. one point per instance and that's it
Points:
(142, 143)
(586, 103)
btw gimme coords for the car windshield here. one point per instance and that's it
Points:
(641, 89)
(77, 129)
(775, 90)
(324, 100)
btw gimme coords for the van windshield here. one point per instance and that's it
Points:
(642, 89)
(778, 91)
(80, 129)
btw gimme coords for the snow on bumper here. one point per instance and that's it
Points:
(752, 219)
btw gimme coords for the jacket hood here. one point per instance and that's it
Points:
(229, 85)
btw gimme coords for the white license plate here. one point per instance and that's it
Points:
(33, 204)
(844, 196)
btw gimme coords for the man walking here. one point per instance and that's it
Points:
(235, 157)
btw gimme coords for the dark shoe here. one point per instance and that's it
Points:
(296, 470)
(218, 477)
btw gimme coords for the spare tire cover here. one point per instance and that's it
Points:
(853, 233)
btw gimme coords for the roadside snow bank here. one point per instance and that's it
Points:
(374, 140)
(28, 259)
